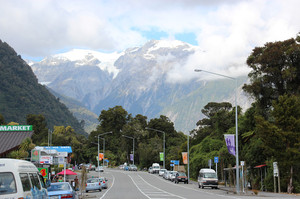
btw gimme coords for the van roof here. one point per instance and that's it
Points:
(8, 165)
(207, 171)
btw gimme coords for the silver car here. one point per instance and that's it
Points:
(103, 182)
(93, 184)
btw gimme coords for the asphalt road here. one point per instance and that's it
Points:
(142, 185)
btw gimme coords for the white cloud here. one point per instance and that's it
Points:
(226, 31)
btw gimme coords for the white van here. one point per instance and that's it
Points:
(207, 178)
(20, 179)
(155, 168)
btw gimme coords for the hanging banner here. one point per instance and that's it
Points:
(100, 156)
(131, 157)
(161, 155)
(229, 139)
(184, 157)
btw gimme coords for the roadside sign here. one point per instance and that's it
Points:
(44, 172)
(61, 160)
(61, 165)
(35, 155)
(275, 169)
(161, 155)
(242, 163)
(216, 159)
(172, 161)
(176, 162)
(172, 165)
(63, 154)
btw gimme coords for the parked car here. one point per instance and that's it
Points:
(173, 174)
(121, 166)
(61, 190)
(103, 182)
(93, 167)
(132, 167)
(99, 169)
(166, 174)
(126, 168)
(181, 177)
(161, 172)
(150, 170)
(93, 184)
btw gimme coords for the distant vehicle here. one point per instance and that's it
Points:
(121, 166)
(21, 179)
(93, 184)
(172, 176)
(207, 178)
(166, 174)
(61, 190)
(161, 172)
(132, 167)
(103, 182)
(150, 170)
(181, 177)
(155, 168)
(99, 169)
(126, 168)
(93, 167)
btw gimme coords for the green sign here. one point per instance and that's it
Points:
(35, 155)
(161, 155)
(16, 128)
(44, 172)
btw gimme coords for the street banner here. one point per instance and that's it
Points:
(229, 139)
(184, 157)
(100, 156)
(131, 157)
(161, 155)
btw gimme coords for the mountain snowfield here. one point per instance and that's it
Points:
(156, 78)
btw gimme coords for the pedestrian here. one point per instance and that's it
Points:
(60, 179)
(76, 183)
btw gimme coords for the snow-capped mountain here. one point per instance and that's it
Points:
(142, 79)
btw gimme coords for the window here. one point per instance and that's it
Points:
(42, 181)
(25, 181)
(35, 180)
(7, 183)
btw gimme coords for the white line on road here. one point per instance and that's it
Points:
(109, 187)
(138, 187)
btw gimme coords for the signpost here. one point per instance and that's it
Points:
(242, 164)
(216, 160)
(209, 163)
(276, 174)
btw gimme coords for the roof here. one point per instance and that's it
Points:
(10, 140)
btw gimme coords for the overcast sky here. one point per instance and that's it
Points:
(226, 29)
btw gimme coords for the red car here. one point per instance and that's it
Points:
(181, 177)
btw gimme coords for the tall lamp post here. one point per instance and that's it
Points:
(132, 146)
(103, 147)
(164, 142)
(236, 126)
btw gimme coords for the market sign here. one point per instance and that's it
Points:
(15, 128)
(43, 171)
(46, 160)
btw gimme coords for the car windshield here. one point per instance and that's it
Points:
(59, 187)
(210, 175)
(181, 174)
(92, 180)
(7, 183)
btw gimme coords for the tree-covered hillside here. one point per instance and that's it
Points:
(20, 94)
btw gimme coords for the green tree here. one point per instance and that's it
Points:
(275, 72)
(2, 121)
(40, 130)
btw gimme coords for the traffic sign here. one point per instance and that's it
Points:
(176, 162)
(172, 165)
(216, 159)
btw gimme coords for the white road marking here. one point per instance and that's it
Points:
(109, 187)
(151, 191)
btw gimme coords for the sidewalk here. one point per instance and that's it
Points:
(231, 190)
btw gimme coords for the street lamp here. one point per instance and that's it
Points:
(164, 141)
(236, 126)
(103, 148)
(132, 146)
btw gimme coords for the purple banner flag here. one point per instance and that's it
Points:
(229, 139)
(131, 157)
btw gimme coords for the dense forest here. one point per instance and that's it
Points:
(269, 131)
(21, 94)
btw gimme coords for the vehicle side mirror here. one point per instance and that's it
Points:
(106, 179)
(48, 183)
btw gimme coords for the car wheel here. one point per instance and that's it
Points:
(199, 186)
(100, 190)
(86, 191)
